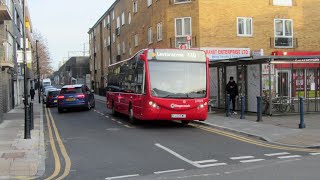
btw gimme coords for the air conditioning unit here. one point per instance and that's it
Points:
(118, 31)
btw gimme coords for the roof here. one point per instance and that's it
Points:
(73, 86)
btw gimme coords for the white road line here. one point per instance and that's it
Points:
(314, 154)
(107, 116)
(277, 154)
(113, 119)
(241, 157)
(168, 171)
(127, 126)
(119, 177)
(251, 160)
(119, 122)
(287, 157)
(178, 155)
(205, 161)
(211, 165)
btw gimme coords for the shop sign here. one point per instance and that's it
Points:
(256, 53)
(226, 53)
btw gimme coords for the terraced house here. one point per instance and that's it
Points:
(224, 29)
(11, 33)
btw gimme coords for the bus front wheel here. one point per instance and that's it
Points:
(132, 119)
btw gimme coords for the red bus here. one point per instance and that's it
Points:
(160, 84)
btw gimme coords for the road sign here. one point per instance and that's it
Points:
(183, 46)
(188, 38)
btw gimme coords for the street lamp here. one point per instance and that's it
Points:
(27, 134)
(38, 70)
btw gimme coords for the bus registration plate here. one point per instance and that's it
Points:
(178, 115)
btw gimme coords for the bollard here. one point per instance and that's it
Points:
(259, 111)
(302, 124)
(228, 105)
(242, 108)
(31, 116)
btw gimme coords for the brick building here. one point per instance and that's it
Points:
(226, 29)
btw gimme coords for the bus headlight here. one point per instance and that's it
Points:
(201, 106)
(153, 104)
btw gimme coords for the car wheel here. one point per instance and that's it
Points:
(88, 106)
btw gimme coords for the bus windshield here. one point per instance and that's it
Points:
(177, 79)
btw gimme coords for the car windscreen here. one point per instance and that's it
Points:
(53, 93)
(75, 90)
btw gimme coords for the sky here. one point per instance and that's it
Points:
(65, 24)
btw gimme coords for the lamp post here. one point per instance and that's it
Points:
(27, 134)
(38, 70)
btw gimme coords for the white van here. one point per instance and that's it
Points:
(46, 82)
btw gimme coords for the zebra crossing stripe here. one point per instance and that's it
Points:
(277, 154)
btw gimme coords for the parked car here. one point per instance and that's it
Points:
(75, 96)
(52, 98)
(45, 93)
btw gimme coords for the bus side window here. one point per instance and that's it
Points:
(139, 77)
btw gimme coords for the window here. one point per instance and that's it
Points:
(182, 29)
(123, 48)
(135, 6)
(113, 37)
(282, 2)
(109, 41)
(150, 35)
(130, 51)
(149, 2)
(159, 31)
(105, 42)
(283, 33)
(123, 21)
(112, 14)
(135, 40)
(244, 26)
(181, 1)
(129, 18)
(108, 18)
(118, 22)
(118, 48)
(104, 22)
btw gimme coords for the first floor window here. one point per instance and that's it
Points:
(244, 26)
(123, 48)
(113, 37)
(282, 2)
(150, 35)
(283, 33)
(159, 31)
(183, 29)
(136, 40)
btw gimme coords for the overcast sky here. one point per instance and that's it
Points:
(65, 23)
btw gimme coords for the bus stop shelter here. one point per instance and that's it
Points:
(279, 80)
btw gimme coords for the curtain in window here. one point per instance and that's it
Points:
(248, 27)
(279, 27)
(179, 27)
(240, 26)
(288, 28)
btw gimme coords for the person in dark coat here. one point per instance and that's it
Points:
(232, 90)
(32, 93)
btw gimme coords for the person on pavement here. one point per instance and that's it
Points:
(232, 90)
(32, 93)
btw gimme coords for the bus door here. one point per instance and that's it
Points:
(139, 79)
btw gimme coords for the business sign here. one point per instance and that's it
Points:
(226, 53)
(266, 67)
(176, 55)
(256, 53)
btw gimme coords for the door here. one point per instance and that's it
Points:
(283, 83)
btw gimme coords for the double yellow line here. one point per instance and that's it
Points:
(57, 164)
(252, 141)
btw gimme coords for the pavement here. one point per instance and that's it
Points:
(282, 130)
(22, 158)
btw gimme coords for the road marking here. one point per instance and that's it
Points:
(314, 154)
(62, 149)
(119, 122)
(95, 110)
(128, 126)
(277, 154)
(113, 119)
(177, 155)
(125, 176)
(107, 116)
(251, 160)
(241, 157)
(287, 157)
(57, 165)
(205, 161)
(252, 141)
(168, 171)
(212, 165)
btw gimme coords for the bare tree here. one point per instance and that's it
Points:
(43, 53)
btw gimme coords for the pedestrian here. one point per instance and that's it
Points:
(32, 93)
(232, 90)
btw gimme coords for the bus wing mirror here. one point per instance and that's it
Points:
(143, 57)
